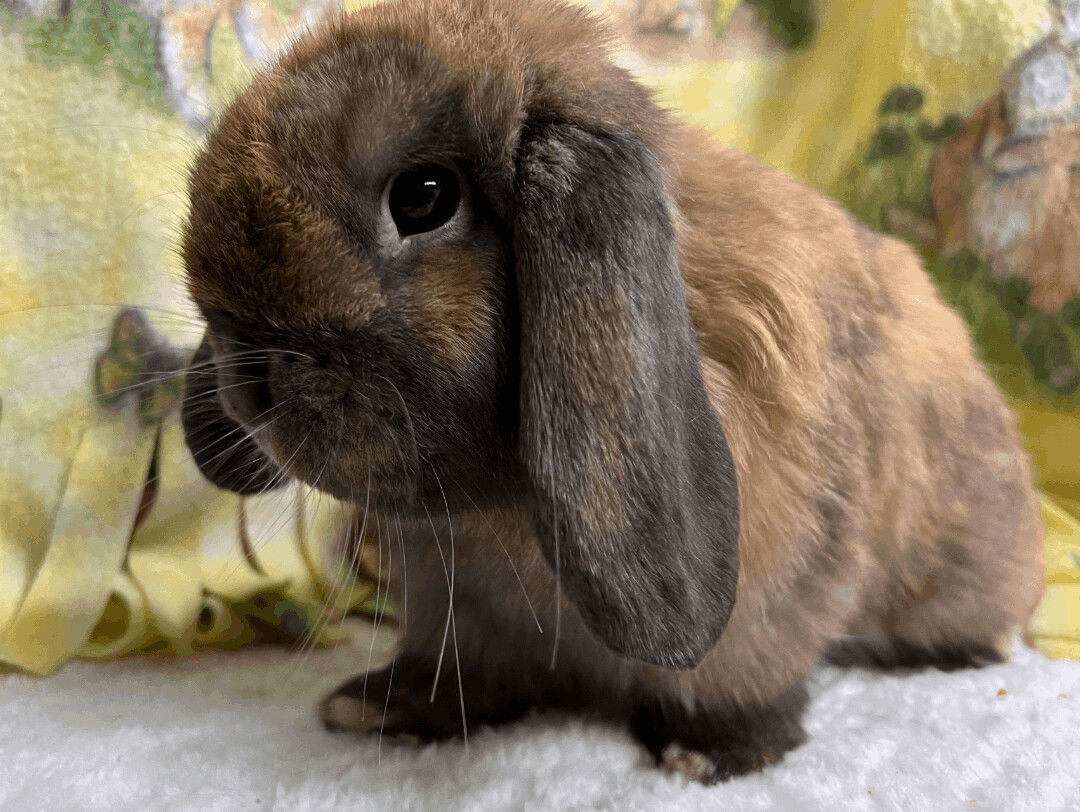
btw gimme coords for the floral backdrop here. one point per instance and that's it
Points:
(950, 123)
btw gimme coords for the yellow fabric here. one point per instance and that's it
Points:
(812, 112)
(1058, 619)
(1054, 440)
(92, 163)
(67, 595)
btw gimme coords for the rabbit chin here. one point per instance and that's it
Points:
(376, 468)
(387, 491)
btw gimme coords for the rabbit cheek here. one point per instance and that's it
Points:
(452, 309)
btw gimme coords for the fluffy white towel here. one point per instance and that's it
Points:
(236, 731)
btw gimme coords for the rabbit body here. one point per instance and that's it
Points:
(694, 427)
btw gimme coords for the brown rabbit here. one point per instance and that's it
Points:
(461, 270)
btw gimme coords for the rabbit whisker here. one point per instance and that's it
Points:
(450, 610)
(509, 559)
(558, 603)
(453, 620)
(386, 707)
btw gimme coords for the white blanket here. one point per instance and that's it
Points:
(236, 731)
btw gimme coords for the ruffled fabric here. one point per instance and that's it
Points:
(141, 553)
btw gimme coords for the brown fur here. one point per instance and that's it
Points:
(882, 485)
(447, 309)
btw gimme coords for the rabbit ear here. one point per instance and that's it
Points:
(635, 494)
(222, 449)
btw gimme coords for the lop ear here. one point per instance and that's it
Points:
(222, 449)
(635, 497)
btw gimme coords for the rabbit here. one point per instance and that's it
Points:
(644, 429)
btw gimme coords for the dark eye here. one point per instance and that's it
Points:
(424, 198)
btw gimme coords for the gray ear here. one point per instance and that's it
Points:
(635, 497)
(222, 450)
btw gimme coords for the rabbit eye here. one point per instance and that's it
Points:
(424, 198)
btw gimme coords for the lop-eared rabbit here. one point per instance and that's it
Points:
(569, 356)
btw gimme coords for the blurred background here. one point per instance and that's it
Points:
(952, 124)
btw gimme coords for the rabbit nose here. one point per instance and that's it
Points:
(244, 386)
(243, 366)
